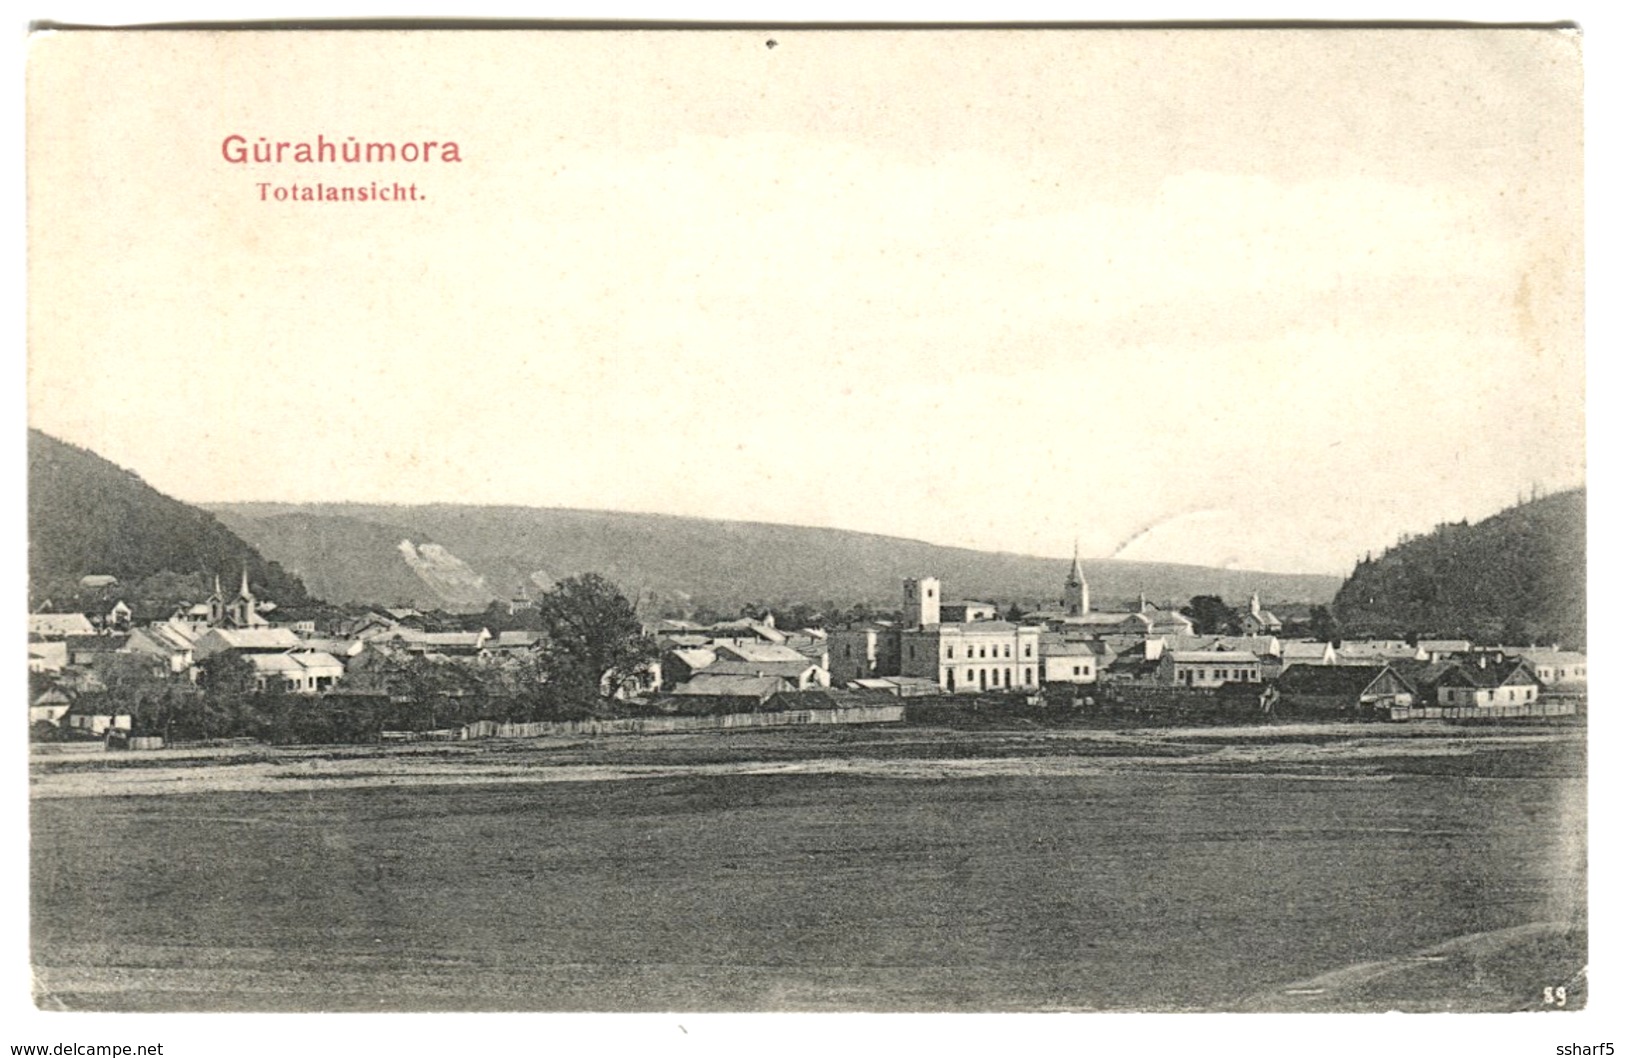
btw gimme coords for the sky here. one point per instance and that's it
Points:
(1254, 299)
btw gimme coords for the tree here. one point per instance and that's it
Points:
(1322, 625)
(1210, 615)
(595, 641)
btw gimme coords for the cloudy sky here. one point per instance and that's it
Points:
(1256, 299)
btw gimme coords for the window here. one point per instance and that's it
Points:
(1026, 675)
(1027, 650)
(1007, 650)
(950, 652)
(995, 677)
(1076, 671)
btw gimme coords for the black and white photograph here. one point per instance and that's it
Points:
(795, 519)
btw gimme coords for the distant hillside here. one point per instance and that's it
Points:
(1516, 577)
(350, 552)
(87, 516)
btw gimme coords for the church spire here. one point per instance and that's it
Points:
(1075, 575)
(244, 591)
(1076, 599)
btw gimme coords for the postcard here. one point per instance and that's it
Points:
(695, 519)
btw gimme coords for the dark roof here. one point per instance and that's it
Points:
(1328, 679)
(1490, 674)
(1421, 675)
(102, 644)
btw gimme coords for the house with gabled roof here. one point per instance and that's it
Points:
(244, 641)
(1063, 659)
(170, 641)
(1344, 690)
(59, 625)
(1484, 682)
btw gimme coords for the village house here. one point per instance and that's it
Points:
(49, 626)
(261, 640)
(1207, 668)
(1484, 683)
(171, 642)
(736, 691)
(1306, 652)
(50, 657)
(303, 672)
(1377, 651)
(1423, 677)
(1562, 671)
(1065, 660)
(1444, 649)
(766, 659)
(1342, 690)
(87, 650)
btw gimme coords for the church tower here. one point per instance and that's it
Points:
(922, 602)
(217, 605)
(242, 611)
(1076, 598)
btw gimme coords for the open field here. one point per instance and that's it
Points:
(1339, 868)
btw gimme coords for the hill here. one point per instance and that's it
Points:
(1515, 577)
(88, 516)
(464, 556)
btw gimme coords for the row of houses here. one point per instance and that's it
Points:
(954, 647)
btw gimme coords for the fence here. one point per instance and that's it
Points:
(1481, 712)
(654, 725)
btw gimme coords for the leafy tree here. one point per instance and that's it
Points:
(1210, 616)
(1322, 625)
(226, 674)
(595, 641)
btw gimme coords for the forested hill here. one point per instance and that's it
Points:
(88, 516)
(462, 557)
(1515, 577)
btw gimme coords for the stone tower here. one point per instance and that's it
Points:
(922, 602)
(1076, 597)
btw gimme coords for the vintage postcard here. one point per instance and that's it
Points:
(818, 520)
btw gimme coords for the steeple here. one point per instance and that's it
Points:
(243, 592)
(1076, 597)
(217, 604)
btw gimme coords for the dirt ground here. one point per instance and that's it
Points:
(900, 868)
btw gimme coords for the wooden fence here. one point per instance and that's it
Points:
(654, 725)
(1481, 712)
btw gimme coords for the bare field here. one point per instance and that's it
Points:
(1347, 868)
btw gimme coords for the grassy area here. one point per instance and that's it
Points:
(1171, 884)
